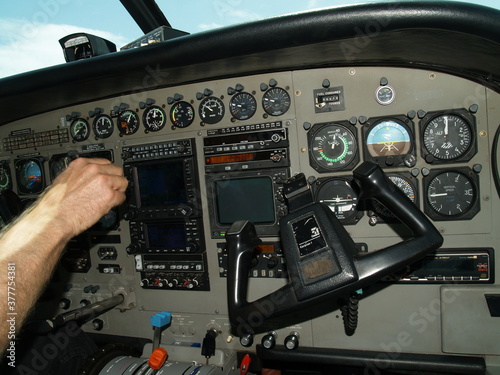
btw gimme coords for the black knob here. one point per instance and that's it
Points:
(292, 341)
(246, 340)
(64, 303)
(192, 247)
(173, 283)
(132, 248)
(269, 340)
(97, 324)
(84, 302)
(272, 262)
(127, 154)
(130, 214)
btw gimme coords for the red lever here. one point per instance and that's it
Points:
(245, 364)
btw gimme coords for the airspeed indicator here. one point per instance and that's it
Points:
(332, 147)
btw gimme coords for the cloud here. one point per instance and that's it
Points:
(26, 46)
(209, 26)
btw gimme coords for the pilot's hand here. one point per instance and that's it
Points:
(87, 190)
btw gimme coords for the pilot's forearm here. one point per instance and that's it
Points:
(29, 251)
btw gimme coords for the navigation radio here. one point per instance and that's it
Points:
(165, 215)
(246, 167)
(162, 181)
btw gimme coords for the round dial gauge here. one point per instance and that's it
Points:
(405, 185)
(211, 110)
(128, 122)
(4, 178)
(385, 95)
(333, 147)
(387, 138)
(154, 118)
(447, 136)
(103, 126)
(29, 176)
(276, 101)
(341, 198)
(242, 106)
(79, 130)
(182, 114)
(451, 193)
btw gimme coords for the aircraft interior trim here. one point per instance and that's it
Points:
(316, 193)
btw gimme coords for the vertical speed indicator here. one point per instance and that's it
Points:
(333, 146)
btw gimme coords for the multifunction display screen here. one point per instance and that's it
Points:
(245, 199)
(161, 184)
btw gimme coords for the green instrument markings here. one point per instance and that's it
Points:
(340, 157)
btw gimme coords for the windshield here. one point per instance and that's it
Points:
(29, 34)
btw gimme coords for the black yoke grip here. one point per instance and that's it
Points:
(248, 317)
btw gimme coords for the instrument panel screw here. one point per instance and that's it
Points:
(352, 71)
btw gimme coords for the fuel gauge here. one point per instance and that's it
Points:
(182, 114)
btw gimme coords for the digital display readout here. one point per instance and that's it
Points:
(161, 184)
(245, 199)
(234, 158)
(166, 235)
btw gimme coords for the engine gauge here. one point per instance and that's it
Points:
(128, 122)
(154, 118)
(79, 130)
(388, 137)
(182, 114)
(340, 196)
(451, 195)
(406, 185)
(276, 101)
(332, 146)
(103, 126)
(211, 110)
(447, 137)
(242, 106)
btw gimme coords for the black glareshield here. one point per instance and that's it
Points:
(322, 259)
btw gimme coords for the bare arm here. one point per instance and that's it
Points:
(32, 246)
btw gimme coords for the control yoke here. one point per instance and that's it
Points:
(322, 260)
